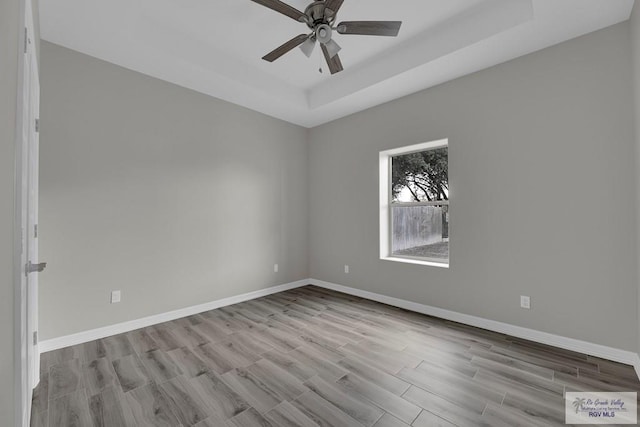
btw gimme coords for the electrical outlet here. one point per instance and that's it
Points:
(115, 297)
(275, 268)
(525, 302)
(346, 269)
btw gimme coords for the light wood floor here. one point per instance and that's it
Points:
(310, 357)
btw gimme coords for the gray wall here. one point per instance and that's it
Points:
(173, 197)
(635, 46)
(9, 33)
(541, 172)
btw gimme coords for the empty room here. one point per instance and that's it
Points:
(319, 213)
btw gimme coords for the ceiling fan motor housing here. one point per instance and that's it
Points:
(317, 14)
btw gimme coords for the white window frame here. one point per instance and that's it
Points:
(386, 204)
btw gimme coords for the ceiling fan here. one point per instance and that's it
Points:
(320, 17)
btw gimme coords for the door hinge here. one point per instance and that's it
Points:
(26, 39)
(35, 231)
(35, 338)
(37, 125)
(34, 268)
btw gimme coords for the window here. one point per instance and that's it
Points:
(414, 204)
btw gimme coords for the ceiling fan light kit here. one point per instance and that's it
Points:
(320, 16)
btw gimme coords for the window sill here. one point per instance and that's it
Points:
(416, 261)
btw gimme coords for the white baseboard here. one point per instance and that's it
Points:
(597, 350)
(609, 353)
(118, 328)
(636, 365)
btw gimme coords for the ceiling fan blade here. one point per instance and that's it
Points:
(332, 48)
(333, 5)
(370, 28)
(281, 50)
(335, 65)
(283, 8)
(307, 47)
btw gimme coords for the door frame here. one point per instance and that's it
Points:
(22, 376)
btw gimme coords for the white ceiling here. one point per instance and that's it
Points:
(215, 46)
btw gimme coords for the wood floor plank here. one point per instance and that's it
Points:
(150, 407)
(99, 375)
(117, 346)
(235, 353)
(142, 341)
(65, 378)
(357, 408)
(160, 366)
(70, 410)
(188, 321)
(259, 395)
(613, 368)
(388, 382)
(189, 362)
(39, 419)
(66, 354)
(248, 341)
(220, 398)
(214, 359)
(393, 404)
(322, 348)
(287, 386)
(247, 319)
(614, 380)
(190, 336)
(184, 401)
(582, 383)
(249, 418)
(531, 368)
(40, 401)
(248, 315)
(446, 384)
(322, 412)
(549, 409)
(110, 409)
(554, 355)
(322, 338)
(278, 339)
(427, 419)
(454, 413)
(212, 422)
(515, 374)
(166, 339)
(431, 338)
(222, 322)
(545, 363)
(212, 331)
(450, 361)
(389, 421)
(93, 350)
(131, 372)
(393, 341)
(228, 322)
(287, 415)
(292, 365)
(326, 369)
(289, 321)
(500, 384)
(502, 416)
(385, 361)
